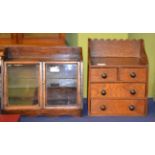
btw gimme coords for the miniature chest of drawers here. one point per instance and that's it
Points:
(118, 78)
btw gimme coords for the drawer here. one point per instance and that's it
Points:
(118, 90)
(103, 74)
(133, 74)
(118, 107)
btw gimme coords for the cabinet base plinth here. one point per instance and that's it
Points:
(46, 112)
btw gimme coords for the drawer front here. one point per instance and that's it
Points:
(103, 74)
(118, 107)
(118, 90)
(133, 74)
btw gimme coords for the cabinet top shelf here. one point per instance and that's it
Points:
(56, 53)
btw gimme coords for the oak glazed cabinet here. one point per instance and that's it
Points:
(118, 78)
(42, 80)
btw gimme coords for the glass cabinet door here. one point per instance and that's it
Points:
(22, 81)
(61, 84)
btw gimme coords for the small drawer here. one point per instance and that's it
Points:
(118, 90)
(118, 107)
(103, 74)
(133, 74)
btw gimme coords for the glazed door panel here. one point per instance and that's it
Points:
(22, 84)
(61, 84)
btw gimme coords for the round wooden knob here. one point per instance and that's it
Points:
(132, 74)
(104, 75)
(132, 107)
(103, 92)
(103, 107)
(132, 92)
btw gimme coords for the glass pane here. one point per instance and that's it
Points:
(61, 84)
(65, 71)
(41, 35)
(23, 84)
(5, 35)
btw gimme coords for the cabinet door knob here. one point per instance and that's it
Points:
(104, 75)
(132, 91)
(103, 107)
(103, 92)
(132, 107)
(132, 74)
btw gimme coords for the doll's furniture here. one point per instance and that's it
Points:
(118, 78)
(42, 80)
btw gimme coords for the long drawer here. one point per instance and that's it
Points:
(118, 90)
(101, 107)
